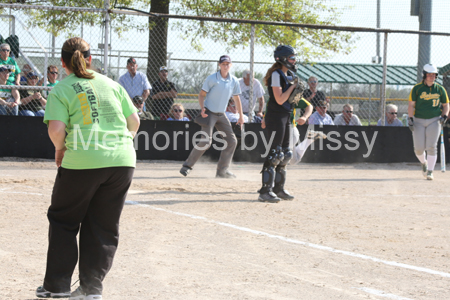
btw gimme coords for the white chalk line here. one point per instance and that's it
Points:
(407, 196)
(381, 293)
(293, 241)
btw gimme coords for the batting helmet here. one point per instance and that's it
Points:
(281, 55)
(429, 69)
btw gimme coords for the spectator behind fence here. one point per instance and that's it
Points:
(9, 99)
(14, 76)
(52, 75)
(391, 116)
(258, 94)
(176, 113)
(23, 76)
(233, 115)
(33, 103)
(162, 94)
(135, 82)
(313, 95)
(232, 112)
(320, 117)
(347, 118)
(139, 104)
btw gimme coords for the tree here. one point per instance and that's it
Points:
(184, 79)
(311, 44)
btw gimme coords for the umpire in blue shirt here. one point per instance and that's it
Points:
(213, 99)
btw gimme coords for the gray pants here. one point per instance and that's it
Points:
(221, 122)
(425, 135)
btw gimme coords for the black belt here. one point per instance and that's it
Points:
(207, 111)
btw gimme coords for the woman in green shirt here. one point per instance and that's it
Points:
(426, 118)
(95, 161)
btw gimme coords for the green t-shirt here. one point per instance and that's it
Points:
(49, 84)
(6, 95)
(302, 104)
(12, 65)
(95, 112)
(428, 100)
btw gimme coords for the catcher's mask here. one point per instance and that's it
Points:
(281, 55)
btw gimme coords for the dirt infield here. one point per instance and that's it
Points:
(362, 231)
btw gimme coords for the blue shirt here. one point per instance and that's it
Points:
(219, 91)
(184, 119)
(396, 122)
(317, 119)
(136, 85)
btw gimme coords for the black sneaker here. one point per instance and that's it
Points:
(185, 170)
(43, 293)
(283, 194)
(269, 197)
(226, 174)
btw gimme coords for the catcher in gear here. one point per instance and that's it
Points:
(285, 91)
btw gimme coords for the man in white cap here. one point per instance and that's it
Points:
(162, 94)
(258, 94)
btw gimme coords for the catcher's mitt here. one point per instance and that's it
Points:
(297, 93)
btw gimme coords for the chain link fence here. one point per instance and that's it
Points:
(167, 54)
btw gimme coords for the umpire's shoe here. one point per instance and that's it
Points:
(269, 197)
(41, 292)
(226, 174)
(185, 170)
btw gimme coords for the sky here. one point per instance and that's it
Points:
(402, 48)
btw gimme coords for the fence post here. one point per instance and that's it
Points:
(252, 61)
(105, 47)
(383, 85)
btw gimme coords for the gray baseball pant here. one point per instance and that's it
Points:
(221, 122)
(425, 135)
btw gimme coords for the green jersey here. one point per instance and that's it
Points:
(302, 104)
(13, 67)
(95, 112)
(428, 100)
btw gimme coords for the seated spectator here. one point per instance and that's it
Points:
(5, 60)
(347, 118)
(33, 103)
(23, 76)
(9, 99)
(176, 113)
(52, 75)
(320, 116)
(162, 94)
(391, 116)
(139, 104)
(233, 115)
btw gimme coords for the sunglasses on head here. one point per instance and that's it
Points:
(177, 110)
(6, 50)
(53, 72)
(349, 111)
(393, 113)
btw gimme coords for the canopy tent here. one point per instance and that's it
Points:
(360, 73)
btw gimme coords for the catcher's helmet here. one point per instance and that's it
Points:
(282, 53)
(429, 68)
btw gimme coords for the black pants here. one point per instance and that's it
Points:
(88, 201)
(279, 125)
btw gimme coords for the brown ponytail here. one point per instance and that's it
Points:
(274, 67)
(75, 54)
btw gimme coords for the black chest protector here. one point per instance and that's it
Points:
(285, 83)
